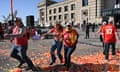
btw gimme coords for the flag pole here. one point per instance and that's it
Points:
(12, 9)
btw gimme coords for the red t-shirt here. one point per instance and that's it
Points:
(57, 34)
(22, 41)
(109, 31)
(70, 37)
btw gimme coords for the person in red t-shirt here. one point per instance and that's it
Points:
(20, 47)
(57, 43)
(70, 38)
(109, 34)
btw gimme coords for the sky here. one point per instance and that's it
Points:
(24, 8)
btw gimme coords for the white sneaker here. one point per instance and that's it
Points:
(113, 56)
(106, 61)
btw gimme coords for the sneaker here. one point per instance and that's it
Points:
(20, 65)
(52, 63)
(106, 61)
(113, 56)
(64, 64)
(34, 69)
(104, 52)
(67, 69)
(31, 68)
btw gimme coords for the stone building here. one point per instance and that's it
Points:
(78, 11)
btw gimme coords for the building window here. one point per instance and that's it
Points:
(50, 18)
(41, 10)
(42, 19)
(54, 10)
(42, 13)
(60, 17)
(66, 8)
(84, 2)
(117, 4)
(50, 11)
(72, 15)
(59, 9)
(54, 17)
(66, 16)
(73, 7)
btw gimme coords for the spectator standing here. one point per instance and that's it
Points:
(110, 34)
(87, 31)
(10, 27)
(93, 27)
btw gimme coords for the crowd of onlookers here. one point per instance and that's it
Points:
(33, 31)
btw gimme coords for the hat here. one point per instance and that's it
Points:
(68, 24)
(110, 20)
(104, 23)
(57, 22)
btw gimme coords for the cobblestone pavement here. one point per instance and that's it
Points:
(85, 47)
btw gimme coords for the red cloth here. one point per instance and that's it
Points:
(22, 41)
(109, 31)
(57, 34)
(67, 37)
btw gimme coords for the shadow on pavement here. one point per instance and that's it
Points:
(88, 67)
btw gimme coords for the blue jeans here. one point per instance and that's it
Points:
(67, 54)
(56, 45)
(107, 47)
(19, 53)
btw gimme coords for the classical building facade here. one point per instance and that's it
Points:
(77, 11)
